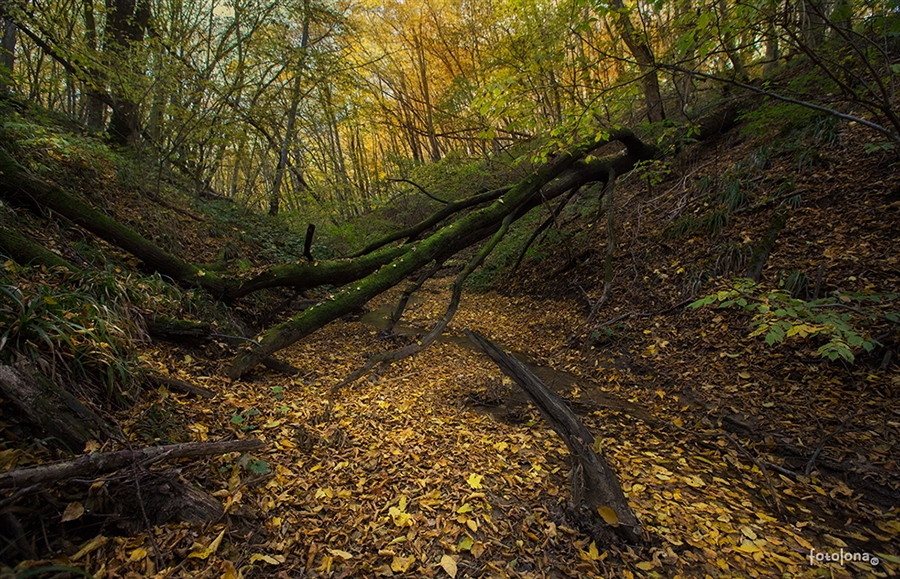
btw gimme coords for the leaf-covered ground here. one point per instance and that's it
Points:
(405, 474)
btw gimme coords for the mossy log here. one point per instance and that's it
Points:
(21, 186)
(553, 179)
(24, 251)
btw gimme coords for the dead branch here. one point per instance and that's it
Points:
(102, 462)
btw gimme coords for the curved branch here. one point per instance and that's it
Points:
(420, 188)
(424, 225)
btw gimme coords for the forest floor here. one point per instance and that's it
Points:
(414, 471)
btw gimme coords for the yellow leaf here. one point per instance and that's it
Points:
(90, 547)
(608, 515)
(646, 565)
(201, 552)
(748, 547)
(400, 518)
(744, 375)
(473, 525)
(449, 565)
(402, 564)
(467, 508)
(327, 560)
(748, 532)
(73, 512)
(501, 446)
(592, 551)
(138, 554)
(342, 554)
(474, 480)
(465, 544)
(477, 549)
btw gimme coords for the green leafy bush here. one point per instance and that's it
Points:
(842, 320)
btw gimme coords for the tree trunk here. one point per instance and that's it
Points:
(7, 54)
(643, 54)
(95, 109)
(104, 462)
(51, 408)
(126, 24)
(24, 188)
(26, 252)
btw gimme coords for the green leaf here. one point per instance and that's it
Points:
(258, 467)
(237, 419)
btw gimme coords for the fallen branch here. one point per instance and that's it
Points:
(102, 462)
(592, 478)
(180, 386)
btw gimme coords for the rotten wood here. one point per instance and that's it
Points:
(51, 407)
(592, 478)
(103, 462)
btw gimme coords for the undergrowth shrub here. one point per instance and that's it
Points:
(841, 324)
(81, 326)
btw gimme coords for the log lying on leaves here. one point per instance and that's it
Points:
(195, 332)
(593, 480)
(51, 407)
(180, 386)
(103, 462)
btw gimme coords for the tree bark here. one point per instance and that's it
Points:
(643, 54)
(103, 462)
(25, 251)
(51, 408)
(7, 54)
(126, 24)
(593, 479)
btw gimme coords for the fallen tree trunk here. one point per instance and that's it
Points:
(21, 186)
(51, 407)
(592, 478)
(551, 180)
(25, 251)
(449, 239)
(103, 462)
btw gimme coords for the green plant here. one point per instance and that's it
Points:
(842, 320)
(85, 322)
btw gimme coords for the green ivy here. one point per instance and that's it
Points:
(841, 319)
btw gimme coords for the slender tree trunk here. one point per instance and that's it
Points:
(95, 110)
(727, 35)
(7, 55)
(643, 54)
(275, 196)
(426, 94)
(772, 51)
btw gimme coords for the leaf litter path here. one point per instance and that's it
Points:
(400, 476)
